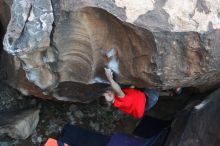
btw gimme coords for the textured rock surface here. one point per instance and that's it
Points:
(157, 15)
(19, 125)
(61, 47)
(198, 125)
(5, 13)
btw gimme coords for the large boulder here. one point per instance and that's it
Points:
(58, 49)
(19, 124)
(197, 125)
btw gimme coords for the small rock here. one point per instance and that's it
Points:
(102, 131)
(80, 122)
(52, 127)
(20, 97)
(73, 107)
(73, 122)
(94, 126)
(39, 139)
(91, 115)
(69, 114)
(33, 102)
(78, 114)
(34, 137)
(4, 144)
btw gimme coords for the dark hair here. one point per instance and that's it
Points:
(103, 102)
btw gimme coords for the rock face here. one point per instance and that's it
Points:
(60, 48)
(5, 13)
(197, 125)
(19, 125)
(157, 15)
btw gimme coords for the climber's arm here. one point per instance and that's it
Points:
(115, 86)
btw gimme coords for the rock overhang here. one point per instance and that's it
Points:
(83, 40)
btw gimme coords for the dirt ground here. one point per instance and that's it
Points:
(55, 114)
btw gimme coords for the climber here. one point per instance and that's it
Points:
(130, 100)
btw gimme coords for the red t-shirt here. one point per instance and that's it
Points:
(132, 103)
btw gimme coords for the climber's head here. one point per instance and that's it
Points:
(109, 95)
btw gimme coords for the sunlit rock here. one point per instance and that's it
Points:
(60, 48)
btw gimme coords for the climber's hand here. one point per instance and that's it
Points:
(109, 74)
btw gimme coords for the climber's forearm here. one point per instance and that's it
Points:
(116, 88)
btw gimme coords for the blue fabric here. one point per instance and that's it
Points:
(77, 136)
(152, 97)
(150, 126)
(59, 143)
(119, 139)
(153, 130)
(150, 141)
(158, 139)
